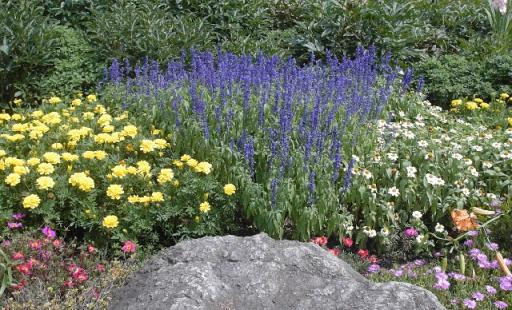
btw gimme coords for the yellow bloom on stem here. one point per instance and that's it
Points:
(92, 98)
(185, 157)
(177, 163)
(229, 189)
(54, 100)
(204, 207)
(143, 167)
(69, 157)
(478, 100)
(45, 169)
(100, 155)
(21, 170)
(13, 179)
(192, 163)
(119, 171)
(147, 146)
(165, 176)
(76, 102)
(82, 181)
(52, 157)
(203, 167)
(470, 105)
(31, 201)
(33, 161)
(157, 197)
(110, 221)
(57, 146)
(484, 105)
(456, 103)
(129, 131)
(509, 121)
(115, 191)
(45, 183)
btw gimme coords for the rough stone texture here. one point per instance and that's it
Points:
(259, 273)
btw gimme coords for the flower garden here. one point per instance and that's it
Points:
(347, 152)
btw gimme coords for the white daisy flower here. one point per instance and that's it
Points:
(422, 143)
(457, 156)
(417, 215)
(439, 228)
(393, 191)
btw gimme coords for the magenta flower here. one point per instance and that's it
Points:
(506, 283)
(129, 247)
(373, 268)
(442, 285)
(18, 216)
(14, 225)
(469, 303)
(411, 232)
(468, 243)
(48, 232)
(491, 290)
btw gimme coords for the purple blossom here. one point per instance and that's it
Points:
(469, 303)
(492, 246)
(442, 285)
(468, 243)
(478, 296)
(500, 304)
(474, 253)
(490, 290)
(48, 232)
(457, 276)
(419, 262)
(410, 232)
(398, 273)
(18, 216)
(14, 225)
(506, 283)
(473, 233)
(373, 268)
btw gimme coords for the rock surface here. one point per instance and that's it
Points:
(258, 272)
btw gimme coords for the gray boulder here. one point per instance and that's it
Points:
(259, 272)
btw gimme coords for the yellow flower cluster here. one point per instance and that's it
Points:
(82, 181)
(155, 197)
(199, 167)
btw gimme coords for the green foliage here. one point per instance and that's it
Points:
(75, 67)
(28, 42)
(456, 76)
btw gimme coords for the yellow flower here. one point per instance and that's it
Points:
(31, 202)
(204, 207)
(192, 163)
(160, 143)
(504, 96)
(92, 98)
(478, 100)
(76, 102)
(131, 170)
(509, 121)
(45, 183)
(69, 157)
(37, 114)
(115, 191)
(108, 128)
(110, 221)
(13, 179)
(54, 100)
(100, 155)
(203, 167)
(157, 197)
(33, 161)
(17, 117)
(133, 199)
(156, 132)
(51, 118)
(5, 117)
(19, 127)
(82, 181)
(51, 157)
(177, 163)
(119, 171)
(17, 102)
(185, 157)
(129, 131)
(165, 176)
(57, 146)
(456, 103)
(147, 146)
(45, 169)
(2, 153)
(470, 105)
(104, 120)
(143, 167)
(484, 105)
(229, 189)
(88, 115)
(21, 170)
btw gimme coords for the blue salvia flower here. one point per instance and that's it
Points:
(273, 195)
(311, 189)
(419, 86)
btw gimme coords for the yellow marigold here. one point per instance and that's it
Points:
(470, 105)
(51, 118)
(33, 161)
(69, 157)
(110, 221)
(478, 100)
(19, 127)
(17, 101)
(54, 100)
(192, 163)
(21, 170)
(229, 189)
(89, 154)
(185, 157)
(45, 183)
(2, 153)
(5, 117)
(143, 167)
(52, 157)
(36, 134)
(76, 102)
(92, 98)
(104, 120)
(156, 132)
(88, 115)
(166, 175)
(129, 131)
(456, 102)
(108, 128)
(131, 170)
(82, 181)
(17, 117)
(37, 114)
(157, 197)
(123, 115)
(203, 167)
(45, 169)
(133, 199)
(15, 138)
(204, 207)
(100, 155)
(504, 96)
(31, 201)
(115, 191)
(509, 121)
(13, 179)
(147, 146)
(160, 143)
(57, 146)
(14, 161)
(177, 163)
(484, 105)
(119, 171)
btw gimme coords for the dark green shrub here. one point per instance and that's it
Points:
(456, 76)
(75, 69)
(29, 41)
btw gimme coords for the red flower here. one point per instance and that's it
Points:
(334, 251)
(363, 253)
(24, 268)
(373, 259)
(72, 267)
(129, 247)
(321, 241)
(100, 267)
(91, 249)
(80, 275)
(18, 256)
(347, 241)
(20, 285)
(68, 283)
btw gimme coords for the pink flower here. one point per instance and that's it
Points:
(410, 232)
(68, 283)
(373, 268)
(129, 247)
(48, 232)
(80, 275)
(24, 268)
(321, 241)
(373, 259)
(35, 245)
(57, 243)
(347, 241)
(14, 225)
(334, 251)
(20, 285)
(100, 268)
(90, 249)
(363, 253)
(18, 216)
(18, 256)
